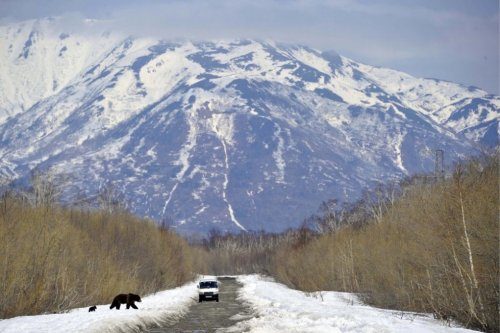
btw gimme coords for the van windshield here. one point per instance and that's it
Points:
(208, 284)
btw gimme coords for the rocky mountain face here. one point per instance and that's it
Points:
(235, 135)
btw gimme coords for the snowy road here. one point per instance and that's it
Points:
(258, 305)
(211, 317)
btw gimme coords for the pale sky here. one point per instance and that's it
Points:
(456, 40)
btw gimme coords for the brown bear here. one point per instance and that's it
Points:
(128, 299)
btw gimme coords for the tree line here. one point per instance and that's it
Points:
(423, 244)
(54, 257)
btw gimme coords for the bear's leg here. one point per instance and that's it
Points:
(118, 306)
(128, 306)
(133, 305)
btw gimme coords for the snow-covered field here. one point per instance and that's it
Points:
(153, 309)
(280, 309)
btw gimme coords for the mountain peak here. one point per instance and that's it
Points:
(237, 135)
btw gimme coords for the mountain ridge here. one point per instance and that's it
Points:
(237, 135)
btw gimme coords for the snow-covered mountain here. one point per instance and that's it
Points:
(235, 135)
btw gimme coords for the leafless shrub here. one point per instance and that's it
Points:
(59, 258)
(426, 246)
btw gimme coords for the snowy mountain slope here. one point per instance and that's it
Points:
(469, 111)
(39, 61)
(229, 134)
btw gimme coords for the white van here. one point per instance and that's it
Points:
(208, 289)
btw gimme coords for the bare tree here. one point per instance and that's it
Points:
(110, 199)
(474, 293)
(46, 188)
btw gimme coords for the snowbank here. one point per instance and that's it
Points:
(280, 309)
(161, 307)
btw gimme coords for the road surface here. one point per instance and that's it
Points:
(211, 316)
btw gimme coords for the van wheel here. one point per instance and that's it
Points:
(200, 299)
(217, 298)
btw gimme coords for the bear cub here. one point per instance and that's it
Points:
(92, 308)
(128, 299)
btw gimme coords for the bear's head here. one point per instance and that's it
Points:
(134, 297)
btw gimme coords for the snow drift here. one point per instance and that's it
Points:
(280, 309)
